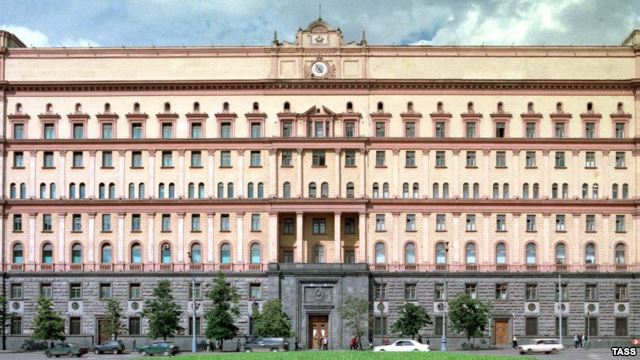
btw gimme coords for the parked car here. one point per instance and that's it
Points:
(403, 346)
(113, 346)
(546, 346)
(159, 347)
(62, 349)
(266, 344)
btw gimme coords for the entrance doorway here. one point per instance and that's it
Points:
(318, 329)
(103, 331)
(501, 331)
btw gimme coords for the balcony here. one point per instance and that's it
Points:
(226, 267)
(591, 267)
(380, 267)
(16, 267)
(621, 267)
(411, 267)
(471, 267)
(76, 267)
(502, 267)
(562, 267)
(106, 267)
(46, 267)
(195, 267)
(135, 267)
(166, 267)
(532, 267)
(255, 267)
(442, 267)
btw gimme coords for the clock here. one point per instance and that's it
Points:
(319, 69)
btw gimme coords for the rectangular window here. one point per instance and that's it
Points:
(620, 223)
(620, 161)
(501, 291)
(501, 129)
(560, 163)
(531, 326)
(75, 291)
(18, 131)
(590, 159)
(75, 325)
(410, 129)
(134, 326)
(380, 129)
(380, 158)
(501, 159)
(471, 159)
(18, 159)
(136, 159)
(196, 159)
(380, 222)
(47, 160)
(440, 159)
(470, 289)
(105, 291)
(198, 291)
(16, 325)
(319, 158)
(565, 325)
(287, 129)
(530, 159)
(410, 292)
(49, 131)
(590, 130)
(438, 291)
(225, 158)
(107, 130)
(224, 222)
(441, 224)
(287, 158)
(166, 222)
(288, 226)
(620, 130)
(106, 222)
(411, 222)
(349, 158)
(437, 326)
(255, 158)
(531, 292)
(380, 325)
(167, 130)
(256, 130)
(78, 131)
(531, 223)
(47, 222)
(135, 222)
(319, 226)
(470, 129)
(255, 291)
(167, 159)
(136, 130)
(622, 328)
(440, 129)
(350, 129)
(225, 130)
(591, 292)
(530, 132)
(255, 222)
(471, 222)
(46, 291)
(622, 293)
(410, 158)
(349, 226)
(380, 291)
(17, 222)
(16, 291)
(77, 159)
(560, 223)
(591, 326)
(195, 222)
(196, 130)
(76, 222)
(590, 223)
(501, 222)
(107, 159)
(287, 256)
(559, 129)
(565, 292)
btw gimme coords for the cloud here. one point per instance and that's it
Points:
(35, 38)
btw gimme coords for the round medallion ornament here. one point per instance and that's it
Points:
(319, 69)
(318, 293)
(134, 305)
(532, 307)
(622, 308)
(381, 307)
(591, 307)
(15, 306)
(75, 305)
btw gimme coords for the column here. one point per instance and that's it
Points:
(516, 251)
(92, 238)
(273, 173)
(61, 174)
(362, 237)
(363, 173)
(210, 245)
(299, 166)
(33, 189)
(61, 233)
(455, 248)
(395, 228)
(546, 245)
(545, 187)
(337, 234)
(32, 238)
(240, 185)
(121, 171)
(425, 171)
(575, 185)
(516, 174)
(91, 186)
(211, 167)
(605, 189)
(299, 255)
(273, 237)
(486, 244)
(240, 234)
(181, 174)
(150, 237)
(606, 239)
(455, 189)
(336, 175)
(423, 256)
(396, 187)
(151, 181)
(181, 246)
(487, 169)
(121, 251)
(576, 234)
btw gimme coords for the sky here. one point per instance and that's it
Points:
(116, 23)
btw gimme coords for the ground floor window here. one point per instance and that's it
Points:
(591, 326)
(437, 325)
(564, 326)
(134, 326)
(16, 325)
(531, 326)
(287, 256)
(191, 325)
(349, 257)
(380, 325)
(621, 327)
(75, 326)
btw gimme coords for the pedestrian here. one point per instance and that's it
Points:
(325, 343)
(514, 342)
(420, 338)
(586, 342)
(134, 344)
(295, 343)
(575, 341)
(208, 345)
(359, 343)
(428, 341)
(319, 343)
(352, 343)
(580, 339)
(370, 341)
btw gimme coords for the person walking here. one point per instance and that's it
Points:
(420, 338)
(134, 344)
(325, 343)
(514, 342)
(575, 341)
(580, 340)
(352, 343)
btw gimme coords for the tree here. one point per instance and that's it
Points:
(47, 323)
(468, 316)
(115, 324)
(412, 319)
(355, 315)
(221, 316)
(272, 322)
(162, 312)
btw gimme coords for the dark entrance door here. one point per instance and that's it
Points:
(502, 331)
(103, 330)
(318, 329)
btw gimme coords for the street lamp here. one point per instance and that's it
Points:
(443, 341)
(193, 303)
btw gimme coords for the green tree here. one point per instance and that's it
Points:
(221, 316)
(47, 323)
(469, 316)
(115, 325)
(162, 312)
(355, 315)
(412, 319)
(272, 321)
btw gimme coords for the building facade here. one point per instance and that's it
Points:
(319, 169)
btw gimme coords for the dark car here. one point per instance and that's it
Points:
(159, 347)
(266, 344)
(62, 349)
(113, 346)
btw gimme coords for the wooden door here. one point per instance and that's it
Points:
(103, 331)
(318, 329)
(502, 332)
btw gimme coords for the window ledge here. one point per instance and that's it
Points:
(165, 231)
(226, 167)
(107, 167)
(225, 231)
(381, 231)
(590, 167)
(350, 166)
(196, 167)
(412, 231)
(501, 231)
(621, 231)
(471, 167)
(167, 167)
(441, 230)
(532, 231)
(256, 231)
(530, 167)
(560, 167)
(76, 231)
(17, 231)
(621, 168)
(590, 231)
(18, 167)
(136, 231)
(106, 231)
(501, 167)
(561, 231)
(77, 167)
(136, 167)
(411, 166)
(381, 166)
(50, 168)
(46, 231)
(440, 167)
(318, 166)
(286, 166)
(471, 231)
(255, 166)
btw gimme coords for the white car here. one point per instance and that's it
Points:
(546, 346)
(403, 345)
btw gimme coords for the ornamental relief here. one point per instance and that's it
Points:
(328, 73)
(318, 295)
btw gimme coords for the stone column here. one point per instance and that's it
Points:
(273, 173)
(363, 173)
(121, 251)
(181, 245)
(61, 174)
(299, 255)
(210, 245)
(32, 238)
(455, 249)
(362, 237)
(337, 233)
(299, 166)
(61, 233)
(396, 186)
(454, 189)
(151, 182)
(336, 174)
(91, 186)
(181, 174)
(424, 250)
(240, 235)
(33, 188)
(150, 238)
(273, 237)
(92, 238)
(240, 185)
(516, 174)
(121, 171)
(211, 168)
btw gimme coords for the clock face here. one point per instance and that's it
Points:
(319, 68)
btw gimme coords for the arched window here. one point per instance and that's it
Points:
(172, 191)
(476, 190)
(531, 254)
(161, 191)
(376, 190)
(102, 189)
(13, 191)
(441, 254)
(585, 191)
(471, 253)
(250, 190)
(260, 190)
(501, 253)
(590, 254)
(620, 253)
(43, 191)
(440, 107)
(436, 191)
(17, 254)
(201, 191)
(136, 254)
(105, 254)
(380, 106)
(496, 190)
(225, 254)
(625, 191)
(47, 254)
(525, 191)
(565, 191)
(132, 191)
(196, 253)
(52, 191)
(561, 254)
(405, 190)
(505, 191)
(465, 190)
(286, 190)
(536, 190)
(136, 107)
(350, 191)
(385, 190)
(318, 254)
(380, 255)
(76, 254)
(445, 190)
(312, 189)
(220, 190)
(255, 253)
(191, 192)
(594, 191)
(230, 190)
(286, 107)
(112, 191)
(614, 191)
(196, 107)
(141, 191)
(554, 191)
(324, 190)
(416, 190)
(165, 254)
(225, 106)
(410, 253)
(81, 191)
